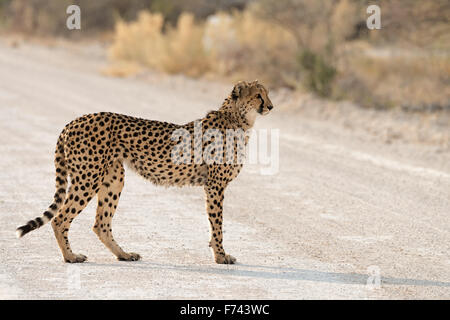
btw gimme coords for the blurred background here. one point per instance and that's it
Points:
(321, 48)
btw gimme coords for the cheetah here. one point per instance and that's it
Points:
(93, 149)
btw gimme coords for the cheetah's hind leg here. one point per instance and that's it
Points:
(108, 198)
(75, 202)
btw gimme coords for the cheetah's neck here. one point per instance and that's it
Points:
(244, 121)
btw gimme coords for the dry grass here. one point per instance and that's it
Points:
(140, 41)
(396, 77)
(184, 49)
(245, 47)
(235, 46)
(178, 50)
(269, 41)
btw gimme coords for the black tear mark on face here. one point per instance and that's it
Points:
(261, 106)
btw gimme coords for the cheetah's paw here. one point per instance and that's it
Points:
(75, 258)
(129, 257)
(226, 259)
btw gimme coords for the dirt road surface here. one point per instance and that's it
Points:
(345, 216)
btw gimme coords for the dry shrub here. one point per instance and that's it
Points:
(220, 42)
(237, 45)
(296, 44)
(178, 50)
(243, 46)
(316, 27)
(48, 18)
(343, 20)
(413, 80)
(140, 41)
(184, 48)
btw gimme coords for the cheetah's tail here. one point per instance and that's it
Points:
(61, 186)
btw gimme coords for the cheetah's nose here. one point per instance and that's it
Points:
(270, 107)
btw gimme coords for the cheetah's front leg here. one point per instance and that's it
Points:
(214, 205)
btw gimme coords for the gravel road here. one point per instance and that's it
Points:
(345, 216)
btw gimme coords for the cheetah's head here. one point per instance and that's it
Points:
(251, 98)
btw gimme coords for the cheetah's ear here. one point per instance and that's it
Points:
(240, 90)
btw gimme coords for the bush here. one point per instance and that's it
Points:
(319, 74)
(299, 44)
(242, 46)
(178, 50)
